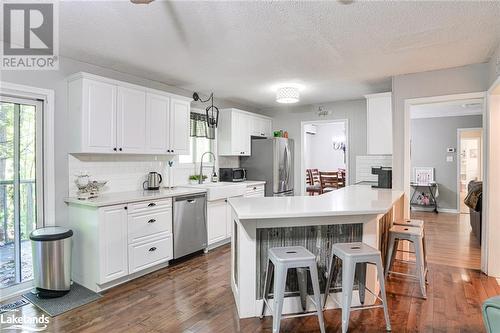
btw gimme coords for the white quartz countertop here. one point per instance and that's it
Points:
(350, 200)
(117, 198)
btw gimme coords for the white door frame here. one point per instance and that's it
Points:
(491, 184)
(407, 137)
(302, 149)
(459, 167)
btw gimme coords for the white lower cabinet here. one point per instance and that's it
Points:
(112, 235)
(113, 244)
(147, 254)
(217, 221)
(254, 191)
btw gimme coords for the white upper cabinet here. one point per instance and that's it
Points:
(236, 128)
(109, 116)
(179, 126)
(379, 124)
(92, 116)
(157, 120)
(131, 124)
(260, 126)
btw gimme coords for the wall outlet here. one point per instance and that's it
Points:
(449, 158)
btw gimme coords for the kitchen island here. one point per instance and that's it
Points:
(353, 213)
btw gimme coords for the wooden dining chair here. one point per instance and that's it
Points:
(329, 181)
(313, 185)
(341, 181)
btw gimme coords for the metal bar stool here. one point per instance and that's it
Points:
(415, 236)
(418, 224)
(356, 255)
(281, 259)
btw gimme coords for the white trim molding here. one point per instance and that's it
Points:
(47, 97)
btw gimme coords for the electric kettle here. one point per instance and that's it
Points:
(153, 182)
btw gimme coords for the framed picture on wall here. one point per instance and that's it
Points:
(423, 175)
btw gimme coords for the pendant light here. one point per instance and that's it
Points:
(212, 112)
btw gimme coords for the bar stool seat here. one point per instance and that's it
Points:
(356, 256)
(418, 224)
(281, 259)
(414, 235)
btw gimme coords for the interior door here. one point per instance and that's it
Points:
(131, 125)
(99, 114)
(157, 113)
(179, 126)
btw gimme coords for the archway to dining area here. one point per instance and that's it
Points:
(325, 158)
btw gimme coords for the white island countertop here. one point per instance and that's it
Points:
(350, 200)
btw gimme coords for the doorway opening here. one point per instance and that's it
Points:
(325, 156)
(470, 162)
(445, 159)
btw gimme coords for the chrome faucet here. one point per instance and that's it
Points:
(200, 181)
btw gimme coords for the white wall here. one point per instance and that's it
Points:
(494, 66)
(319, 152)
(289, 118)
(466, 79)
(56, 80)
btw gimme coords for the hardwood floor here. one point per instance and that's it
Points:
(195, 296)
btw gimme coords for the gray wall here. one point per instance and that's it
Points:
(494, 66)
(56, 80)
(466, 79)
(290, 118)
(429, 139)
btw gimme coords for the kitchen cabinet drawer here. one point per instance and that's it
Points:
(255, 191)
(144, 255)
(149, 224)
(149, 206)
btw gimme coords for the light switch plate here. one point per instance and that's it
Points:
(449, 158)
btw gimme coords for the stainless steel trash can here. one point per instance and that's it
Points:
(51, 248)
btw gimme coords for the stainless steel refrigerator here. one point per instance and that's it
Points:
(272, 161)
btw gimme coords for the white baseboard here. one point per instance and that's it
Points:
(431, 210)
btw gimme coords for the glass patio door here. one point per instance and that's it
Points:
(21, 201)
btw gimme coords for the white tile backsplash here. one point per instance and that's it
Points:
(127, 173)
(364, 166)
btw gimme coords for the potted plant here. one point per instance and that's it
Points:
(194, 179)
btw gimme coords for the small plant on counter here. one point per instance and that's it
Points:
(193, 179)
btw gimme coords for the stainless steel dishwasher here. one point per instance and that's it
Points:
(190, 224)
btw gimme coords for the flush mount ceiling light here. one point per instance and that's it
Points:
(287, 95)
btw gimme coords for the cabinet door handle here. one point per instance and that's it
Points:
(114, 149)
(152, 221)
(172, 150)
(120, 149)
(152, 204)
(152, 249)
(255, 188)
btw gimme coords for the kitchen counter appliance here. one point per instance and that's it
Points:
(272, 161)
(190, 224)
(232, 174)
(153, 182)
(384, 177)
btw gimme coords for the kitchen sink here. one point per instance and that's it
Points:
(221, 190)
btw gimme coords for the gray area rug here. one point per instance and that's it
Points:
(77, 296)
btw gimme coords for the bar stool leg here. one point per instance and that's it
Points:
(361, 271)
(348, 268)
(313, 270)
(279, 296)
(390, 254)
(267, 286)
(302, 281)
(332, 273)
(380, 273)
(424, 245)
(420, 265)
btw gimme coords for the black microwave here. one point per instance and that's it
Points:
(232, 174)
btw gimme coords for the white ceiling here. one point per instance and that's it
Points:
(240, 50)
(466, 107)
